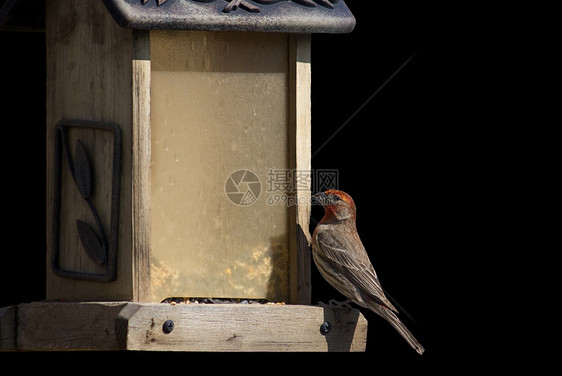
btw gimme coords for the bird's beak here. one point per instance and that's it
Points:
(319, 198)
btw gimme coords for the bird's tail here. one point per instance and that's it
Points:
(401, 328)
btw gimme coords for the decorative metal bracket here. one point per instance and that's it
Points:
(101, 247)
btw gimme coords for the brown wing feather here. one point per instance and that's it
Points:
(356, 265)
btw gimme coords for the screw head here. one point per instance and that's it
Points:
(325, 328)
(168, 326)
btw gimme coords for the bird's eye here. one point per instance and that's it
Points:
(337, 198)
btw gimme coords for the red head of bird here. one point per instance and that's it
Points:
(338, 205)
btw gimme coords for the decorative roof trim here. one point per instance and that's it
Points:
(234, 4)
(292, 16)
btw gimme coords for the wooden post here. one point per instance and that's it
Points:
(89, 77)
(141, 162)
(300, 114)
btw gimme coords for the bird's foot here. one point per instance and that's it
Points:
(333, 304)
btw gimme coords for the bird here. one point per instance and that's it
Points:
(343, 261)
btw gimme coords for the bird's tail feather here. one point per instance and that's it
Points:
(401, 328)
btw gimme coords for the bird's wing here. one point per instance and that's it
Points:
(354, 266)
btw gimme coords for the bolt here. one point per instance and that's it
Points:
(325, 328)
(168, 326)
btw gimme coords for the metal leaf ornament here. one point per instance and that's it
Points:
(82, 172)
(91, 243)
(94, 246)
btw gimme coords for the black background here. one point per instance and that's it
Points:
(416, 159)
(394, 159)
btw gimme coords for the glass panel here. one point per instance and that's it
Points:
(219, 117)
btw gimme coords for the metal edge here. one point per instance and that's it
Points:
(188, 15)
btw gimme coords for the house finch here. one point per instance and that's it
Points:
(343, 262)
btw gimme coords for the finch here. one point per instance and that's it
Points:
(342, 260)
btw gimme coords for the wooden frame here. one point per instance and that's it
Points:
(98, 71)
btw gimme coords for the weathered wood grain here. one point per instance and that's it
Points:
(141, 171)
(203, 327)
(243, 327)
(300, 141)
(67, 326)
(89, 77)
(8, 328)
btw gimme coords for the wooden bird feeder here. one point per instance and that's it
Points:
(176, 132)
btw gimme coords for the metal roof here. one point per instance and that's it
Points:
(290, 16)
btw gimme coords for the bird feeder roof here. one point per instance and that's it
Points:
(289, 16)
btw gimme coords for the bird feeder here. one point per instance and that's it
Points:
(178, 166)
